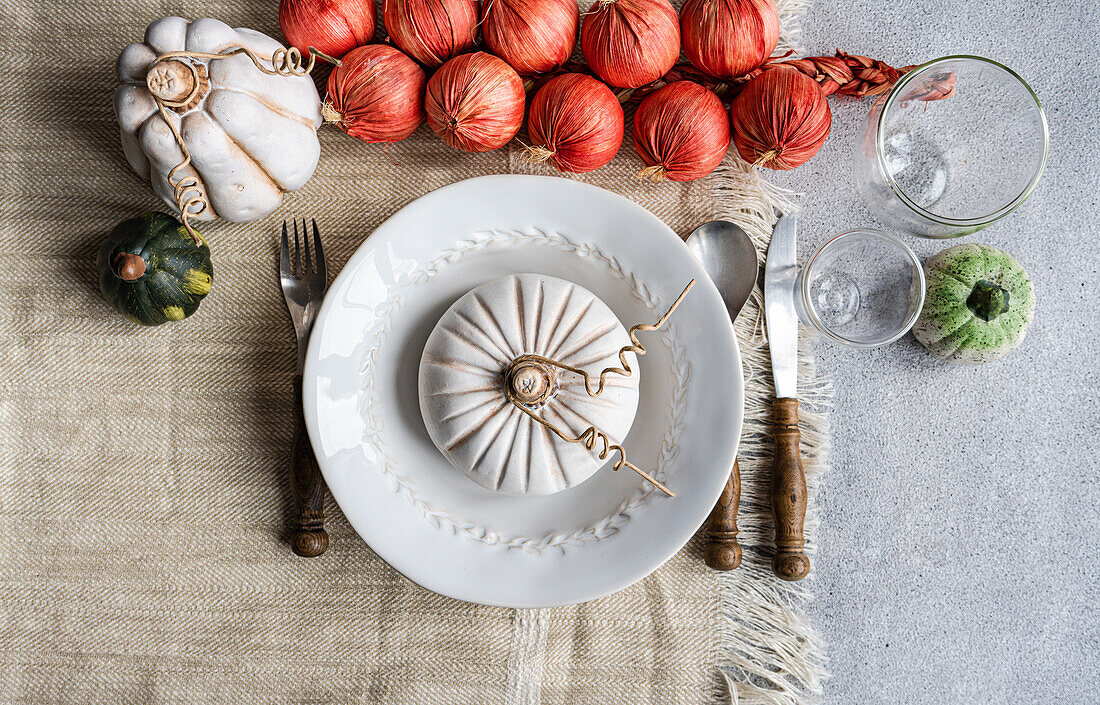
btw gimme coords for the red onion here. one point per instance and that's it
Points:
(534, 36)
(332, 26)
(377, 94)
(729, 38)
(780, 119)
(431, 31)
(629, 43)
(475, 102)
(681, 132)
(575, 123)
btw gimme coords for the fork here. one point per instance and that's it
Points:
(304, 282)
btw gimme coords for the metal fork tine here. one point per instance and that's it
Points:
(320, 253)
(308, 269)
(284, 253)
(297, 252)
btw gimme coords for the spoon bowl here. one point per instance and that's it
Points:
(730, 260)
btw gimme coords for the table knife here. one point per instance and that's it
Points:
(788, 479)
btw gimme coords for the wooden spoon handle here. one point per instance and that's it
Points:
(788, 494)
(310, 538)
(721, 550)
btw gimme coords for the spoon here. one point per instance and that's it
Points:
(729, 258)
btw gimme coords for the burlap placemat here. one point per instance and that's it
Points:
(144, 490)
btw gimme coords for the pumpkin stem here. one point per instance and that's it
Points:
(129, 267)
(178, 84)
(987, 300)
(528, 381)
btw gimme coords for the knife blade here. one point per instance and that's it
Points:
(788, 479)
(780, 273)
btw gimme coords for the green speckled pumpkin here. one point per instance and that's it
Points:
(978, 304)
(152, 271)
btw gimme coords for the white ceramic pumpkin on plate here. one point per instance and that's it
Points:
(251, 136)
(428, 520)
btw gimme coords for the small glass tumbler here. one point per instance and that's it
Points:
(958, 143)
(863, 288)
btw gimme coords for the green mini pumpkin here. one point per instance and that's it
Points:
(978, 305)
(152, 271)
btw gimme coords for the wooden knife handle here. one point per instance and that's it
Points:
(721, 551)
(788, 494)
(310, 538)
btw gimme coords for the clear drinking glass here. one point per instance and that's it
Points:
(951, 166)
(863, 288)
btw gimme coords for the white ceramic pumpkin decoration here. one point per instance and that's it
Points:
(251, 136)
(466, 365)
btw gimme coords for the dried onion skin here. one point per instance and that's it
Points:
(376, 95)
(576, 123)
(533, 36)
(475, 102)
(629, 43)
(780, 119)
(431, 31)
(681, 132)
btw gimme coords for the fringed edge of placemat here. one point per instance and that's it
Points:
(790, 24)
(768, 654)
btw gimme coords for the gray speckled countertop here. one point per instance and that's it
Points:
(959, 558)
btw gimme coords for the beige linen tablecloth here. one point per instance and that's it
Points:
(144, 472)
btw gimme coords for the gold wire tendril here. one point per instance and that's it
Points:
(591, 435)
(185, 188)
(635, 347)
(588, 439)
(284, 62)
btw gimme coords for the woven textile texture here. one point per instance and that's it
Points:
(144, 493)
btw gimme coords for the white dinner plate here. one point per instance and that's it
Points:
(427, 519)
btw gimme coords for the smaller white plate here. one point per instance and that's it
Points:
(427, 519)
